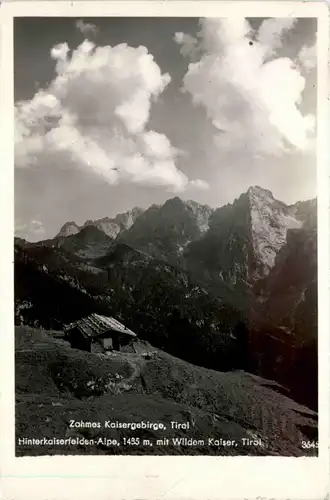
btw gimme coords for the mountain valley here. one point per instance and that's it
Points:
(226, 290)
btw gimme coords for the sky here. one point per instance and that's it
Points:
(123, 112)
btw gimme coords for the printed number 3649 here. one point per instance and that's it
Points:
(309, 444)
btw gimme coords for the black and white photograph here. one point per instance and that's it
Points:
(166, 228)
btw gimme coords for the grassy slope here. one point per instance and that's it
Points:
(55, 383)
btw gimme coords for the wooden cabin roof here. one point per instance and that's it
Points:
(96, 325)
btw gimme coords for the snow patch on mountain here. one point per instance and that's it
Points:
(270, 222)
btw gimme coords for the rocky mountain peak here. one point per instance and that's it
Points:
(164, 231)
(90, 242)
(238, 242)
(270, 221)
(306, 211)
(110, 226)
(258, 191)
(175, 202)
(89, 222)
(202, 214)
(68, 229)
(244, 238)
(195, 206)
(127, 219)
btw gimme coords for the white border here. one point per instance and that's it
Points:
(157, 477)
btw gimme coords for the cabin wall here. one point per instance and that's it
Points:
(78, 341)
(116, 341)
(124, 340)
(110, 340)
(97, 347)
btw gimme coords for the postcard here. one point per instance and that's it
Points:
(165, 250)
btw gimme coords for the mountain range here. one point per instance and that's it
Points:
(111, 227)
(227, 288)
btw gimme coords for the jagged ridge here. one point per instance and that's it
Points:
(110, 226)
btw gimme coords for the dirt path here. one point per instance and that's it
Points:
(136, 362)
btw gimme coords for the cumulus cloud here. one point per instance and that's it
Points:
(307, 57)
(251, 95)
(189, 44)
(86, 28)
(271, 32)
(198, 184)
(59, 51)
(94, 117)
(33, 229)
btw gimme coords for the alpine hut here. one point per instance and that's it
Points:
(97, 333)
